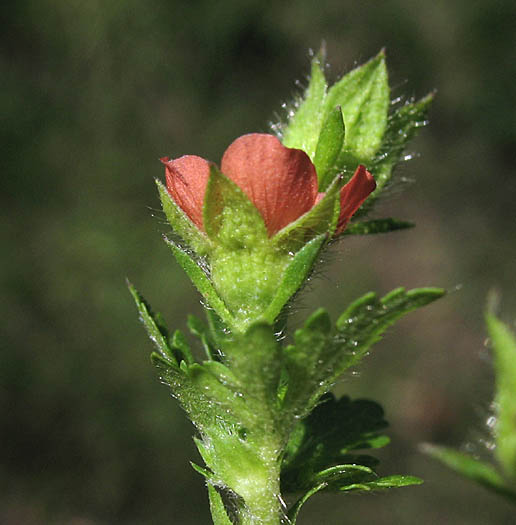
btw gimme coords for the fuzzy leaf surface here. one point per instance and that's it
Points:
(304, 127)
(230, 218)
(201, 282)
(329, 146)
(155, 329)
(320, 220)
(363, 95)
(402, 126)
(294, 276)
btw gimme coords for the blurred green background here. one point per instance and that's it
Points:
(93, 93)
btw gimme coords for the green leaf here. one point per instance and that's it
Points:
(363, 323)
(376, 226)
(318, 356)
(402, 126)
(305, 125)
(157, 333)
(294, 276)
(230, 218)
(321, 219)
(330, 435)
(503, 343)
(387, 482)
(329, 147)
(217, 509)
(469, 467)
(363, 95)
(202, 283)
(181, 224)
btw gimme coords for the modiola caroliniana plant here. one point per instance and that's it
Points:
(248, 232)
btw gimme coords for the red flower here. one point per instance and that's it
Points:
(281, 182)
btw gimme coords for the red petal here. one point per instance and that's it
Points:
(353, 194)
(187, 178)
(281, 182)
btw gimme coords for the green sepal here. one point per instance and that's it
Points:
(181, 224)
(321, 219)
(201, 281)
(402, 126)
(304, 126)
(503, 344)
(376, 226)
(156, 331)
(329, 146)
(483, 473)
(294, 276)
(230, 218)
(363, 95)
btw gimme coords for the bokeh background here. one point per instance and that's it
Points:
(93, 93)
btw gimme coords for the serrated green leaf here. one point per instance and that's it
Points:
(329, 436)
(294, 276)
(503, 343)
(376, 226)
(317, 359)
(202, 283)
(329, 146)
(363, 95)
(157, 334)
(181, 224)
(363, 323)
(304, 126)
(320, 220)
(401, 128)
(230, 218)
(303, 360)
(472, 468)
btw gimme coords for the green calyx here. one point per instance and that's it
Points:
(244, 274)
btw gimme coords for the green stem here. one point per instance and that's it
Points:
(257, 490)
